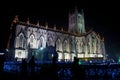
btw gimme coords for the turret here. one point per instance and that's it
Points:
(76, 22)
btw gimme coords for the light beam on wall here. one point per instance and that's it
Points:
(41, 48)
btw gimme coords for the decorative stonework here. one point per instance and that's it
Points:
(29, 39)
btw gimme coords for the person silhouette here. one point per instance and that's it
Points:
(75, 69)
(24, 67)
(32, 65)
(2, 60)
(54, 68)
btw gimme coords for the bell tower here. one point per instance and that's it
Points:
(76, 22)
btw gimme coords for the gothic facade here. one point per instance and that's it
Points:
(28, 39)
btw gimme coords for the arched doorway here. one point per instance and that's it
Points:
(48, 53)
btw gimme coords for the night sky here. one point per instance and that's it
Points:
(102, 16)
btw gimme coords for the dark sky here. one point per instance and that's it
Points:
(102, 16)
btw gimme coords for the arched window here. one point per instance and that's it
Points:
(80, 47)
(83, 47)
(40, 43)
(88, 46)
(32, 42)
(24, 43)
(77, 46)
(50, 41)
(71, 45)
(94, 46)
(79, 20)
(58, 44)
(65, 45)
(21, 41)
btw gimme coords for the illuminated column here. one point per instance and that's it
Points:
(103, 49)
(77, 48)
(86, 52)
(90, 44)
(94, 46)
(62, 49)
(59, 49)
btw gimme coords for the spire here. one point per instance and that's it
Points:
(82, 12)
(38, 24)
(76, 9)
(28, 22)
(46, 25)
(83, 20)
(8, 43)
(15, 19)
(102, 39)
(61, 28)
(54, 27)
(98, 35)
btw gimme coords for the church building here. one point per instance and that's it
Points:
(43, 42)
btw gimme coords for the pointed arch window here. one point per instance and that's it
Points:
(58, 44)
(41, 43)
(94, 45)
(80, 46)
(71, 45)
(83, 47)
(50, 41)
(77, 46)
(79, 20)
(21, 41)
(65, 45)
(88, 46)
(32, 42)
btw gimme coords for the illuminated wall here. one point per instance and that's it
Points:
(32, 39)
(20, 54)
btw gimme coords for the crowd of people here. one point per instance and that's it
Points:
(25, 65)
(51, 72)
(75, 71)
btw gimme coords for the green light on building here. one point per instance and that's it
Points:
(79, 62)
(119, 59)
